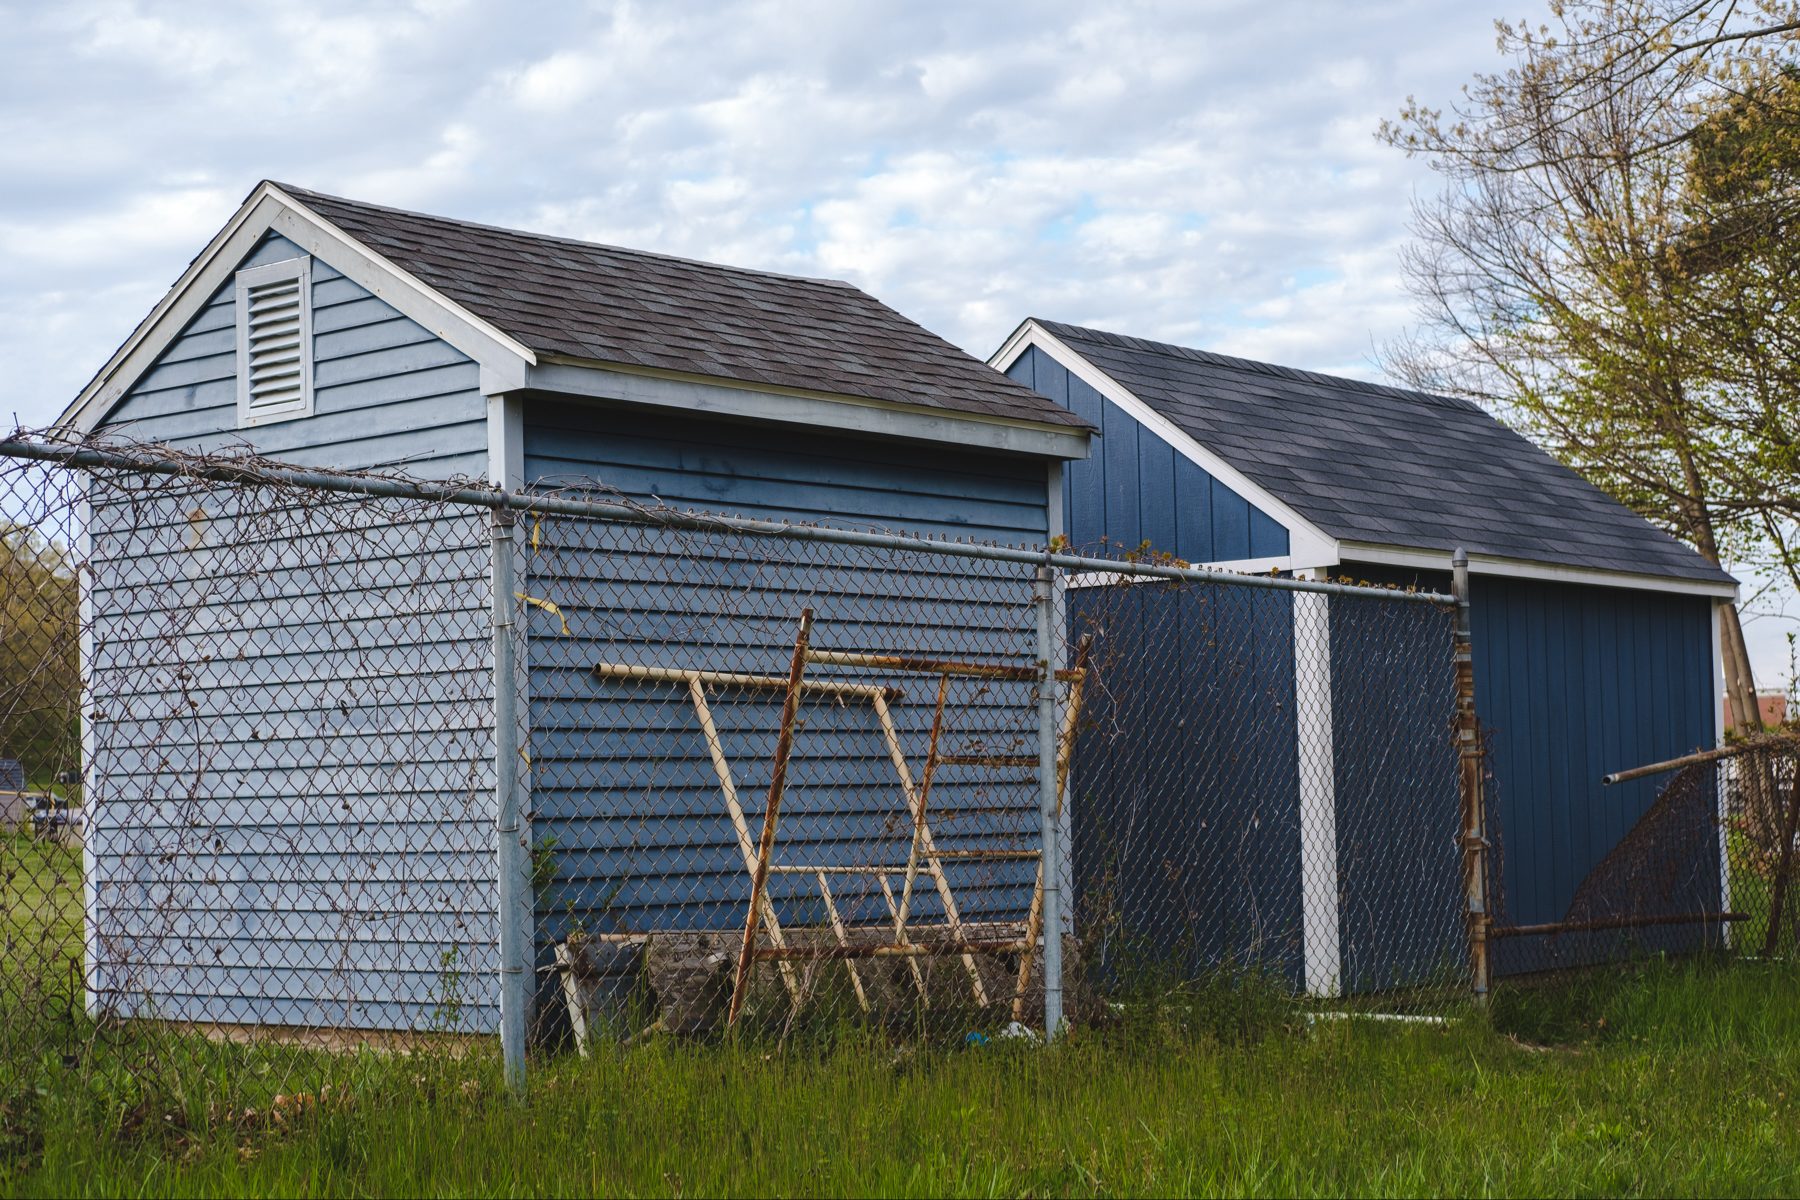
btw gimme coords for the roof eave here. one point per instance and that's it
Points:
(1425, 559)
(721, 396)
(1309, 545)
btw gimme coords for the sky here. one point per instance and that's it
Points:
(1200, 172)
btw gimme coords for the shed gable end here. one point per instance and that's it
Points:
(1138, 489)
(384, 389)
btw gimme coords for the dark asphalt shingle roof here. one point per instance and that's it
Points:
(1379, 464)
(560, 296)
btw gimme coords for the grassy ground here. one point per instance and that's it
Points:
(1656, 1079)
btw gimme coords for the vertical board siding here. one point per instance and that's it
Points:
(1395, 779)
(1574, 682)
(1185, 787)
(292, 768)
(386, 390)
(1136, 488)
(622, 778)
(1577, 682)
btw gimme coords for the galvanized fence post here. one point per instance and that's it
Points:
(510, 851)
(1474, 816)
(1051, 848)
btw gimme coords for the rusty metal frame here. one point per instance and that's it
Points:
(784, 746)
(1469, 761)
(923, 851)
(1551, 930)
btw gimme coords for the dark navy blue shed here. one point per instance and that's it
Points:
(1595, 633)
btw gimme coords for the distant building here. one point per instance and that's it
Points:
(1772, 704)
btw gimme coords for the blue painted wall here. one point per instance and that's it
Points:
(1576, 682)
(346, 841)
(1135, 488)
(386, 390)
(1395, 778)
(622, 777)
(1185, 788)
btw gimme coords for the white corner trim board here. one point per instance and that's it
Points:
(1318, 793)
(503, 359)
(1307, 543)
(1719, 711)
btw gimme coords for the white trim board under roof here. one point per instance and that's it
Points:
(1313, 547)
(962, 402)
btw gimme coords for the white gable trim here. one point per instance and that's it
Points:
(1308, 545)
(504, 360)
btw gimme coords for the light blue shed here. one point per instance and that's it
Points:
(333, 333)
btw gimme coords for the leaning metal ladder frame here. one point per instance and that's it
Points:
(155, 459)
(923, 844)
(697, 682)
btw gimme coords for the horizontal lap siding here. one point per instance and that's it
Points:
(622, 776)
(291, 821)
(1137, 489)
(297, 832)
(1185, 785)
(386, 390)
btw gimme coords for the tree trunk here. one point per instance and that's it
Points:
(1755, 772)
(1740, 683)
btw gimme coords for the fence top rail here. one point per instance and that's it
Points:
(500, 500)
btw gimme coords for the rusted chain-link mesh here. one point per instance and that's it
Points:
(248, 753)
(908, 819)
(1701, 869)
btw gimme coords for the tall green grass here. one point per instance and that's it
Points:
(1657, 1078)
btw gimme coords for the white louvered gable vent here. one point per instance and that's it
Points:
(274, 335)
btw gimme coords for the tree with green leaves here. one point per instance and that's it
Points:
(40, 653)
(1611, 263)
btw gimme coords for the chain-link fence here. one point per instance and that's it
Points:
(1267, 782)
(1703, 868)
(302, 762)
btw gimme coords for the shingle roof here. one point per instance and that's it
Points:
(1385, 465)
(560, 296)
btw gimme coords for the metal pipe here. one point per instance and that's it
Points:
(511, 854)
(909, 950)
(900, 868)
(1051, 818)
(922, 666)
(1775, 744)
(608, 510)
(1474, 816)
(1506, 931)
(988, 760)
(730, 679)
(784, 746)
